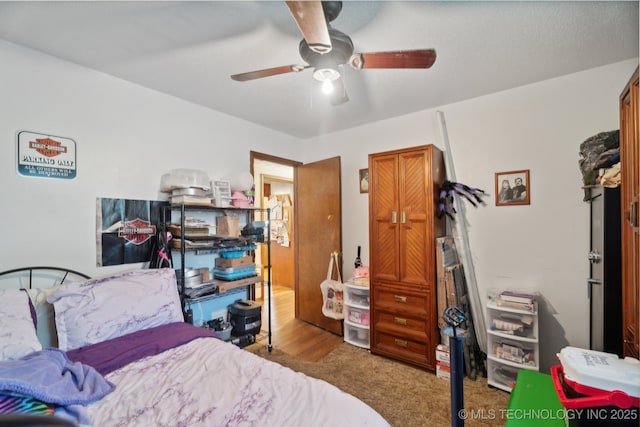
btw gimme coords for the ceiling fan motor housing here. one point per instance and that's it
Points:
(342, 49)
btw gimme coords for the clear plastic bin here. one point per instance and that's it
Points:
(358, 316)
(358, 336)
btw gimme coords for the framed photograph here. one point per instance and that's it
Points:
(364, 180)
(513, 188)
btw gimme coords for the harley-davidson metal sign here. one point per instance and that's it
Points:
(137, 231)
(46, 156)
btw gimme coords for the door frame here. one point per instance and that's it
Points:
(298, 289)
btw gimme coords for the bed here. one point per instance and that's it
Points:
(120, 354)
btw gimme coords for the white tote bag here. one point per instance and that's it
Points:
(333, 291)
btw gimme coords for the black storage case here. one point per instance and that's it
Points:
(246, 317)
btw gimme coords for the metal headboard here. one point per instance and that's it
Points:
(30, 270)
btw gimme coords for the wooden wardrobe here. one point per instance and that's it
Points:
(403, 196)
(630, 211)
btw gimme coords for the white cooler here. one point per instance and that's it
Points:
(598, 388)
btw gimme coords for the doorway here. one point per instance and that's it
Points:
(274, 183)
(316, 210)
(277, 195)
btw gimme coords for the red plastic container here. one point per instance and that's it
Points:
(589, 406)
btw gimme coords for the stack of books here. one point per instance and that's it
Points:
(517, 300)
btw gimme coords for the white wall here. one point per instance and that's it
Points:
(540, 247)
(126, 136)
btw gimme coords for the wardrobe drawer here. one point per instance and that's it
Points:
(402, 348)
(398, 322)
(401, 301)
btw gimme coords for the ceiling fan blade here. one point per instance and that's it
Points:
(267, 72)
(339, 95)
(419, 58)
(309, 15)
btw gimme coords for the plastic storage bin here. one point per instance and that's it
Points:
(358, 336)
(597, 389)
(503, 375)
(358, 297)
(514, 351)
(358, 316)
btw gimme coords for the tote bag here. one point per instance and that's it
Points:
(333, 292)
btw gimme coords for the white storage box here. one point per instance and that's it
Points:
(443, 364)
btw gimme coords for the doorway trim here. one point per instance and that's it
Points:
(255, 155)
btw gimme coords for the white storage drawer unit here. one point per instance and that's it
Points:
(512, 341)
(357, 314)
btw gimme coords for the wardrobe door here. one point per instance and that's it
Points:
(416, 237)
(384, 217)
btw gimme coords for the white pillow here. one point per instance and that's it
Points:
(100, 309)
(17, 331)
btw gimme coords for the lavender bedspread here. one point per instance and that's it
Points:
(113, 354)
(208, 382)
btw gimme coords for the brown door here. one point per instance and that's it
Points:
(319, 233)
(630, 207)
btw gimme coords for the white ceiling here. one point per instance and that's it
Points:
(189, 50)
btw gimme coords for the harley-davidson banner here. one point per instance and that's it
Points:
(46, 156)
(126, 230)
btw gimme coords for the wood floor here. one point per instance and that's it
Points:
(292, 336)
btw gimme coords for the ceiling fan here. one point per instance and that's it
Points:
(326, 50)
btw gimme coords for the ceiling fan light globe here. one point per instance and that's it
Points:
(327, 87)
(326, 74)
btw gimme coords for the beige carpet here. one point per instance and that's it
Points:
(405, 396)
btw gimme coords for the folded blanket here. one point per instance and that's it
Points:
(107, 356)
(49, 376)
